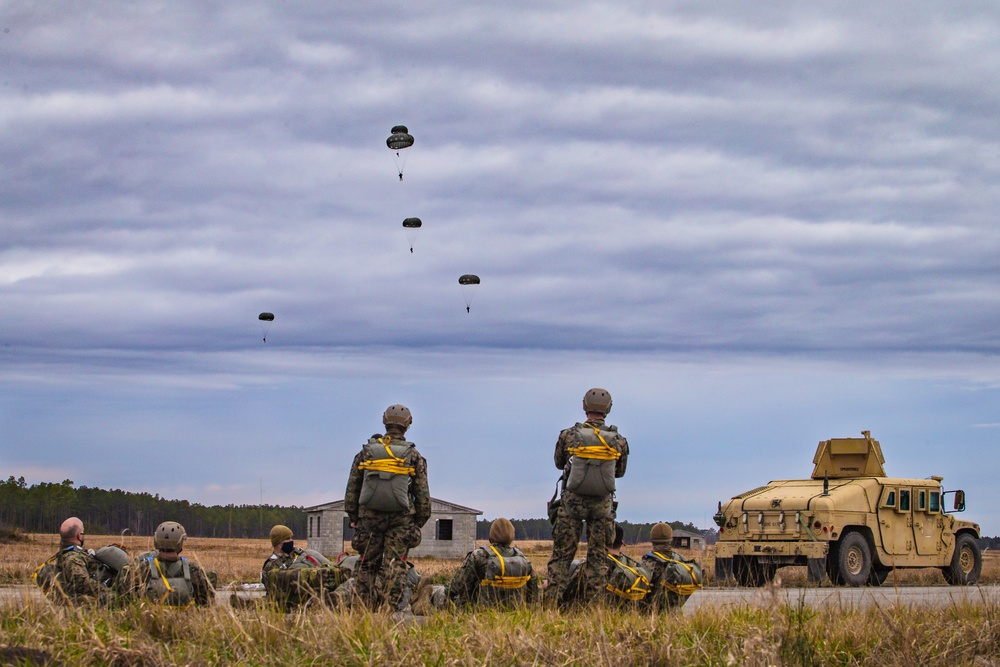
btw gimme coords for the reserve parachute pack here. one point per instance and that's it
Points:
(170, 582)
(628, 579)
(506, 576)
(310, 558)
(386, 483)
(681, 576)
(592, 464)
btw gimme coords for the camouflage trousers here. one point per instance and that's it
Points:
(383, 541)
(574, 510)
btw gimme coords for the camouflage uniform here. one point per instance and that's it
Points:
(574, 510)
(78, 578)
(140, 573)
(574, 590)
(384, 538)
(466, 584)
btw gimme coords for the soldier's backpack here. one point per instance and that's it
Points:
(592, 464)
(112, 558)
(170, 583)
(628, 579)
(45, 575)
(506, 577)
(681, 577)
(385, 486)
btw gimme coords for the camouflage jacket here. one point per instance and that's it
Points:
(570, 438)
(419, 492)
(77, 576)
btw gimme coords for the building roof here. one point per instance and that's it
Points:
(438, 506)
(686, 533)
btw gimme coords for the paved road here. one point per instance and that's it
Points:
(847, 598)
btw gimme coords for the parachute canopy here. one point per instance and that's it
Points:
(412, 223)
(399, 139)
(266, 317)
(265, 323)
(468, 282)
(411, 226)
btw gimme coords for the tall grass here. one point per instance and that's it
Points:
(146, 634)
(775, 633)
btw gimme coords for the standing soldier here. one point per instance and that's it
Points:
(591, 455)
(388, 502)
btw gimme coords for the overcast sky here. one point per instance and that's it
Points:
(757, 225)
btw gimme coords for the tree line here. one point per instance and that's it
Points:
(40, 508)
(541, 529)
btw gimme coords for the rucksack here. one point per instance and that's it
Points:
(628, 579)
(385, 486)
(592, 464)
(505, 576)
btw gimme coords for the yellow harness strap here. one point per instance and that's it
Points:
(166, 584)
(393, 464)
(680, 589)
(639, 587)
(34, 575)
(503, 581)
(603, 452)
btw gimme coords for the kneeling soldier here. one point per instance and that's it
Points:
(674, 578)
(497, 575)
(165, 576)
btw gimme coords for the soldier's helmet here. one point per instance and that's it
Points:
(597, 400)
(397, 414)
(169, 536)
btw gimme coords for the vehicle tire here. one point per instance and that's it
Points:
(966, 564)
(747, 572)
(854, 559)
(879, 574)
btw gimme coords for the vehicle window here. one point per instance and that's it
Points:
(904, 500)
(890, 498)
(935, 501)
(922, 501)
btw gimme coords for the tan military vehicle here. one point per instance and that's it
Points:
(848, 521)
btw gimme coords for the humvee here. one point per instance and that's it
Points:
(848, 522)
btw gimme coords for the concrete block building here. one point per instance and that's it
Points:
(449, 533)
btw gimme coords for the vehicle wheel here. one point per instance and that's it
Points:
(854, 560)
(879, 574)
(966, 564)
(747, 572)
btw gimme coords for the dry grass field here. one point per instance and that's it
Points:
(38, 632)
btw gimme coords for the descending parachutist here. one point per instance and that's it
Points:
(467, 309)
(400, 176)
(411, 251)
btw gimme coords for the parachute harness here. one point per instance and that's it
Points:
(393, 464)
(603, 452)
(504, 581)
(680, 589)
(34, 575)
(639, 587)
(169, 588)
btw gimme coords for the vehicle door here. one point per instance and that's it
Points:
(896, 520)
(928, 523)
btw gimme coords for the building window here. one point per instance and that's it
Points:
(310, 527)
(442, 530)
(318, 533)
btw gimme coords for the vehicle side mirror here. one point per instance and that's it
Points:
(960, 501)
